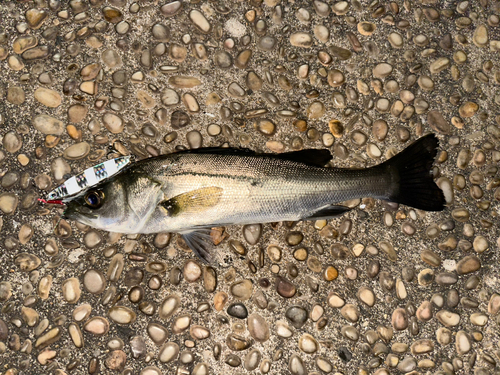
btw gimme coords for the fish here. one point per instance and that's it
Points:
(189, 192)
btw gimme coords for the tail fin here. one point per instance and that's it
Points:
(413, 183)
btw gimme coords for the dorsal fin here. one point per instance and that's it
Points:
(219, 151)
(313, 157)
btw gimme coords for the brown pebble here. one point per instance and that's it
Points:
(237, 343)
(74, 132)
(97, 326)
(23, 43)
(242, 289)
(335, 78)
(422, 346)
(192, 271)
(112, 15)
(198, 332)
(76, 113)
(399, 319)
(4, 331)
(36, 18)
(258, 327)
(48, 97)
(424, 311)
(438, 123)
(468, 264)
(285, 288)
(220, 300)
(366, 28)
(15, 95)
(116, 360)
(494, 304)
(468, 109)
(210, 279)
(336, 128)
(330, 273)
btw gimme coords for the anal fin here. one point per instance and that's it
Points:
(327, 212)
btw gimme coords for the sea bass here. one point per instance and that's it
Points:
(191, 191)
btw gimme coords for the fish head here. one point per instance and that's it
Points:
(122, 204)
(100, 207)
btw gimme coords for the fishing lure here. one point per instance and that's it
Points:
(88, 178)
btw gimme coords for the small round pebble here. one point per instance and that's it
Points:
(258, 327)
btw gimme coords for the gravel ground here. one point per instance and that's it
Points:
(384, 289)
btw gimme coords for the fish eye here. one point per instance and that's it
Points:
(94, 198)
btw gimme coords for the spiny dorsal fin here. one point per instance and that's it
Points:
(219, 151)
(313, 157)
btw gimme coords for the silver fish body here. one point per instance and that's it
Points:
(188, 191)
(254, 189)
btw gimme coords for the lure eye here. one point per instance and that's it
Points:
(94, 199)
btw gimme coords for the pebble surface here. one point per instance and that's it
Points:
(382, 289)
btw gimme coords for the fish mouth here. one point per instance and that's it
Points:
(75, 211)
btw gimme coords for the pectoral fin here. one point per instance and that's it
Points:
(327, 212)
(194, 201)
(200, 242)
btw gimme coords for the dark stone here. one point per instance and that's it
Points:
(340, 53)
(386, 280)
(339, 251)
(438, 123)
(237, 310)
(134, 277)
(233, 360)
(446, 42)
(373, 268)
(179, 119)
(285, 288)
(237, 343)
(452, 298)
(296, 315)
(408, 274)
(345, 354)
(138, 347)
(4, 331)
(446, 278)
(264, 283)
(292, 270)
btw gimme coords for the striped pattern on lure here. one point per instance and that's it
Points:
(88, 178)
